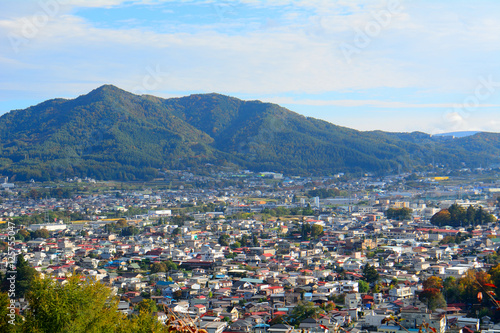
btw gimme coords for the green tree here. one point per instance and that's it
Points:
(471, 215)
(458, 216)
(399, 214)
(224, 239)
(370, 274)
(305, 230)
(179, 220)
(255, 240)
(451, 291)
(82, 306)
(9, 320)
(41, 233)
(244, 240)
(25, 233)
(74, 307)
(170, 265)
(363, 286)
(110, 228)
(157, 267)
(24, 276)
(308, 210)
(316, 231)
(433, 297)
(147, 305)
(121, 223)
(130, 231)
(178, 294)
(303, 310)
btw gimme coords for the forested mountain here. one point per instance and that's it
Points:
(113, 134)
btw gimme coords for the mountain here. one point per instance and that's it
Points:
(113, 134)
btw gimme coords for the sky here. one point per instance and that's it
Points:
(394, 65)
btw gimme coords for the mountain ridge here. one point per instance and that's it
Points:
(110, 133)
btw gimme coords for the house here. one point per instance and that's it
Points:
(232, 313)
(241, 326)
(305, 279)
(390, 329)
(352, 300)
(412, 317)
(181, 307)
(215, 326)
(161, 317)
(198, 309)
(280, 328)
(400, 292)
(276, 290)
(372, 318)
(328, 322)
(309, 323)
(124, 307)
(456, 271)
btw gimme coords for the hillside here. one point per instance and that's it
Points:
(113, 134)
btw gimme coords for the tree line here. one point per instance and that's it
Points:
(458, 216)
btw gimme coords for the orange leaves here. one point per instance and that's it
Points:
(433, 282)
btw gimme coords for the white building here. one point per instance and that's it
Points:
(48, 226)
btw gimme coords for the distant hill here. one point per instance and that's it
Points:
(113, 134)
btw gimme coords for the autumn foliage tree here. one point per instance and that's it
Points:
(432, 294)
(471, 284)
(441, 218)
(433, 282)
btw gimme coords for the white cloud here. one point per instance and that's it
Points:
(424, 47)
(371, 103)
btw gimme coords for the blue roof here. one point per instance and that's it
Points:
(164, 283)
(250, 280)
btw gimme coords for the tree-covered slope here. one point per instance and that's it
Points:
(112, 134)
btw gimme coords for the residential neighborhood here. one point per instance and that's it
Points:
(268, 253)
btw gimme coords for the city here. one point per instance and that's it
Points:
(262, 252)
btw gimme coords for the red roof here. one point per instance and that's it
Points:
(452, 308)
(439, 230)
(354, 274)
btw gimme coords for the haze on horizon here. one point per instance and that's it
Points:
(390, 65)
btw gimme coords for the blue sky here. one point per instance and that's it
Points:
(392, 65)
